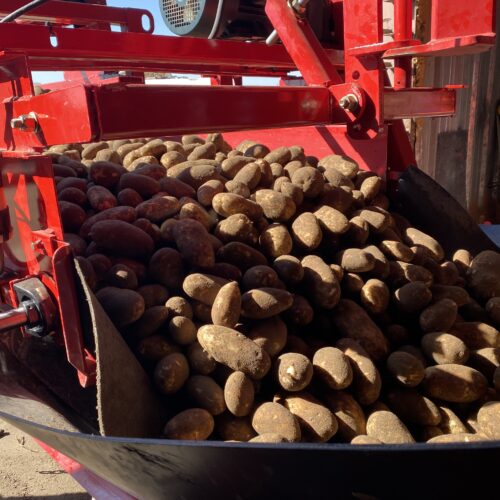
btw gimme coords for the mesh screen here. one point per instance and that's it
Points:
(181, 14)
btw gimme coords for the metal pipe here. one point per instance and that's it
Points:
(13, 318)
(403, 11)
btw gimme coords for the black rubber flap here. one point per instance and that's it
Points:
(155, 469)
(433, 210)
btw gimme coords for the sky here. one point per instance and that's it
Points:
(160, 29)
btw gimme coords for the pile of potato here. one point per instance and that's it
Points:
(275, 297)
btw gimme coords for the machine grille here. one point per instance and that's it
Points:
(181, 14)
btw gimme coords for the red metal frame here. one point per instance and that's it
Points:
(91, 105)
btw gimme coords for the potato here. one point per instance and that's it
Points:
(199, 360)
(165, 268)
(237, 227)
(444, 348)
(145, 186)
(194, 424)
(262, 303)
(476, 334)
(483, 276)
(413, 236)
(125, 149)
(121, 276)
(300, 313)
(203, 287)
(462, 259)
(275, 418)
(320, 282)
(231, 166)
(90, 150)
(438, 317)
(275, 240)
(258, 277)
(382, 267)
(206, 394)
(450, 423)
(196, 175)
(455, 293)
(249, 175)
(149, 228)
(342, 164)
(456, 438)
(227, 204)
(227, 306)
(306, 231)
(412, 297)
(289, 269)
(158, 209)
(73, 195)
(317, 423)
(405, 368)
(155, 171)
(171, 373)
(396, 250)
(366, 440)
(377, 219)
(226, 271)
(412, 407)
(375, 296)
(239, 394)
(493, 309)
(446, 273)
(182, 330)
(486, 360)
(310, 180)
(155, 347)
(366, 378)
(72, 216)
(192, 240)
(293, 371)
(123, 306)
(275, 206)
(358, 231)
(153, 295)
(291, 168)
(101, 265)
(388, 428)
(171, 158)
(352, 283)
(293, 192)
(352, 321)
(129, 197)
(240, 255)
(234, 350)
(77, 243)
(203, 151)
(121, 238)
(231, 428)
(348, 413)
(280, 155)
(332, 221)
(354, 260)
(403, 272)
(454, 383)
(370, 187)
(270, 334)
(332, 367)
(269, 437)
(488, 419)
(208, 190)
(176, 188)
(149, 323)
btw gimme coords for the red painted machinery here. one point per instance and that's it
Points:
(344, 103)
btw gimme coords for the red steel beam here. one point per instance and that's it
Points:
(67, 13)
(105, 50)
(418, 102)
(84, 114)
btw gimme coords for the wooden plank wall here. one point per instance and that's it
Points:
(461, 152)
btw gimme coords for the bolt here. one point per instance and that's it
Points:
(349, 102)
